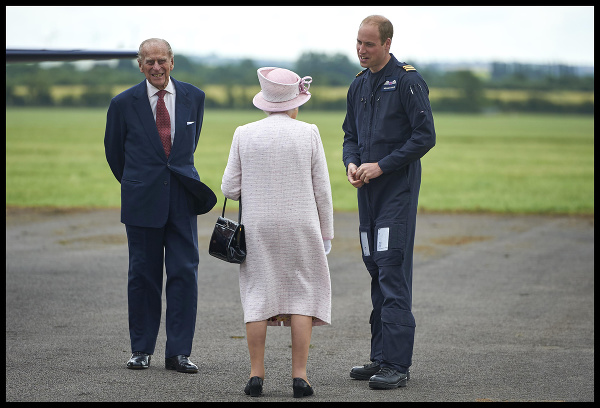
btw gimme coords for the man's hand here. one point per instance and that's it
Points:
(355, 181)
(367, 172)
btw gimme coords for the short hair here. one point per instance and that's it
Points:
(150, 40)
(386, 29)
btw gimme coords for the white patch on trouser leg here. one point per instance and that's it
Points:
(364, 241)
(383, 237)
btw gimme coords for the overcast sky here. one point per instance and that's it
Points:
(532, 34)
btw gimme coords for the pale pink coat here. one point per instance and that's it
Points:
(278, 165)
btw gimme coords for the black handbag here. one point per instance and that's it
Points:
(228, 241)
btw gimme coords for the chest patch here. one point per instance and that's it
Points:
(391, 84)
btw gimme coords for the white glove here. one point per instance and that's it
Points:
(327, 245)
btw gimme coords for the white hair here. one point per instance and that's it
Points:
(289, 112)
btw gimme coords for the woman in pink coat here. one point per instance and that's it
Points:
(277, 167)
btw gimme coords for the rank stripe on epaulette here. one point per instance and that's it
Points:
(361, 72)
(408, 68)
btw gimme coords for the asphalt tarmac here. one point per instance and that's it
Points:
(504, 307)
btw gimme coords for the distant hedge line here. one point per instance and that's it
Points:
(101, 96)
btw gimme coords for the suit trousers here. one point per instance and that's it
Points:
(175, 245)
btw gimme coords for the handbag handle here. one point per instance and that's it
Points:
(239, 212)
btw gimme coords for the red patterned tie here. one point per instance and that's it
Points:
(163, 122)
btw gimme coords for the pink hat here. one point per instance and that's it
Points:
(281, 90)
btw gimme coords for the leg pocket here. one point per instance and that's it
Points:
(398, 334)
(366, 242)
(389, 243)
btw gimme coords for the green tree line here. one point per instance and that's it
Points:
(327, 70)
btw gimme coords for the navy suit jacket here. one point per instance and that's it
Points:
(137, 159)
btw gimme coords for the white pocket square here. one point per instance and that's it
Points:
(189, 123)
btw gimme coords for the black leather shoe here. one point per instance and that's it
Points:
(366, 371)
(254, 386)
(388, 378)
(302, 388)
(180, 363)
(138, 360)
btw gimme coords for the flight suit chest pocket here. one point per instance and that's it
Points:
(390, 84)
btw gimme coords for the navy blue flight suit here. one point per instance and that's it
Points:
(389, 123)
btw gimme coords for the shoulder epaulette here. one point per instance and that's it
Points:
(408, 68)
(361, 72)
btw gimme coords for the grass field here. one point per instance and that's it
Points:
(495, 163)
(329, 93)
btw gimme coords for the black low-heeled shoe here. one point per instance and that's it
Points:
(302, 388)
(254, 386)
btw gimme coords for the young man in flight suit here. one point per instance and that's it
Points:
(387, 129)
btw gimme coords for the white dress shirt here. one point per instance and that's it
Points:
(169, 99)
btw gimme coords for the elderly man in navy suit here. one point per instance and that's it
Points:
(152, 131)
